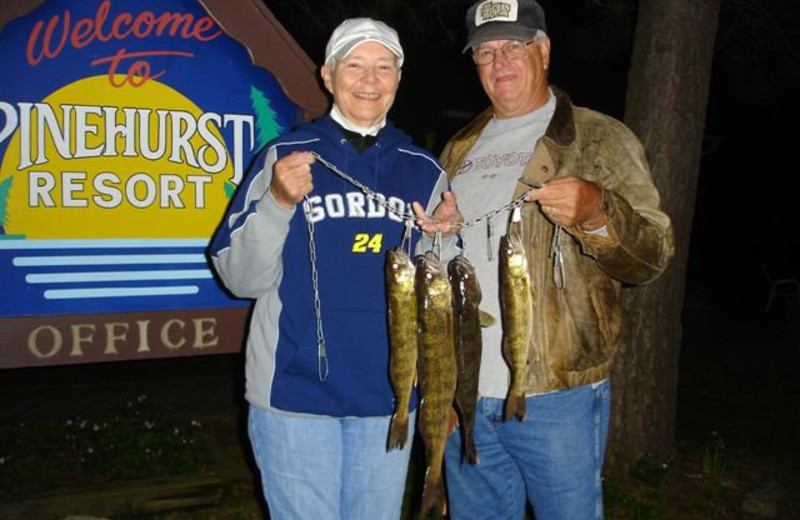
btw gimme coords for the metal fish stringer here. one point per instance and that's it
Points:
(516, 221)
(436, 247)
(322, 353)
(559, 272)
(408, 217)
(489, 236)
(406, 242)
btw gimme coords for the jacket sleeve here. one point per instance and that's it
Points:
(639, 241)
(247, 247)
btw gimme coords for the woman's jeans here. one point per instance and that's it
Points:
(326, 468)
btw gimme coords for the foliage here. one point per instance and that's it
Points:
(5, 189)
(649, 474)
(714, 460)
(266, 123)
(650, 471)
(139, 440)
(620, 504)
(230, 189)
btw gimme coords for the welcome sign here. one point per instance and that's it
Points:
(125, 128)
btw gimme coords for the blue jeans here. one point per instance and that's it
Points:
(328, 468)
(553, 458)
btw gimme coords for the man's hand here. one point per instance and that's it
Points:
(446, 218)
(291, 178)
(571, 201)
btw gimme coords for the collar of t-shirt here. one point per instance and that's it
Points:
(361, 138)
(531, 124)
(345, 123)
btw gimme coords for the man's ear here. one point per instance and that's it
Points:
(544, 49)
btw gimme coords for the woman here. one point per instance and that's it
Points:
(320, 401)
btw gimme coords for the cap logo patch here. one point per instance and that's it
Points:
(491, 11)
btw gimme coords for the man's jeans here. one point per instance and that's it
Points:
(553, 458)
(328, 468)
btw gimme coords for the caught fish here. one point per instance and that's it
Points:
(437, 371)
(402, 318)
(516, 308)
(468, 346)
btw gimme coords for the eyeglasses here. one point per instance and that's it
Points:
(513, 50)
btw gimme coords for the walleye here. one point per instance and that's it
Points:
(468, 346)
(516, 308)
(402, 317)
(437, 371)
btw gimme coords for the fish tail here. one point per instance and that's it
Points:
(470, 451)
(398, 432)
(515, 407)
(433, 498)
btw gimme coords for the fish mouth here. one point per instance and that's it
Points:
(429, 269)
(405, 276)
(460, 269)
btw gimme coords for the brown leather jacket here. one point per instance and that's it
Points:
(576, 329)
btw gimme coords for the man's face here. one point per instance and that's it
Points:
(515, 86)
(364, 83)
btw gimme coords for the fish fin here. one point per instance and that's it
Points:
(486, 319)
(515, 407)
(398, 432)
(422, 426)
(433, 498)
(470, 451)
(468, 441)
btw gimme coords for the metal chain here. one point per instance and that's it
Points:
(322, 353)
(368, 192)
(381, 200)
(516, 203)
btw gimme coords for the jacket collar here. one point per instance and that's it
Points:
(562, 126)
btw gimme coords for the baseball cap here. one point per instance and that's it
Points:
(489, 20)
(354, 31)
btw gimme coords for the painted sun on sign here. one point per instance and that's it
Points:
(118, 156)
(102, 163)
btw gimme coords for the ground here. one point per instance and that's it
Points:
(738, 423)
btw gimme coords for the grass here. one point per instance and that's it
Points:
(738, 421)
(137, 440)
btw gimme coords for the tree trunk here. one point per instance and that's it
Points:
(666, 104)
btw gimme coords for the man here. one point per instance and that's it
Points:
(594, 225)
(320, 400)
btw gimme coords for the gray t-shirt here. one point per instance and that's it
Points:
(485, 181)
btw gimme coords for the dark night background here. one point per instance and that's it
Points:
(738, 364)
(744, 214)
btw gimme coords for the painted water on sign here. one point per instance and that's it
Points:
(119, 151)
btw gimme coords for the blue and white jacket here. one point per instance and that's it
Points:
(261, 251)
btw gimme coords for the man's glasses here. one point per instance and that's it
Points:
(513, 50)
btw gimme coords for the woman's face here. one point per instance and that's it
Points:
(364, 83)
